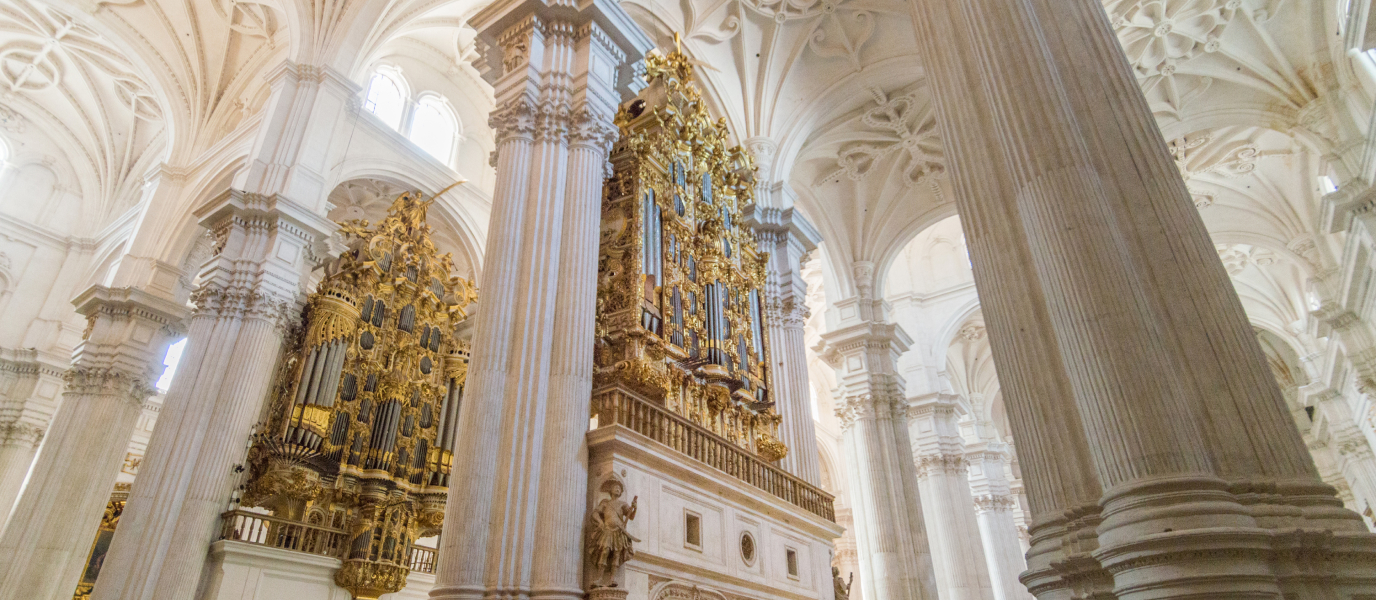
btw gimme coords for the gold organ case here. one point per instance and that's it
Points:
(680, 309)
(360, 431)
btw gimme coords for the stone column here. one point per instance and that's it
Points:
(895, 562)
(32, 391)
(18, 445)
(564, 467)
(547, 61)
(788, 237)
(45, 545)
(998, 529)
(1089, 256)
(247, 299)
(948, 509)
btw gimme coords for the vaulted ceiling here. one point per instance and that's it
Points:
(829, 94)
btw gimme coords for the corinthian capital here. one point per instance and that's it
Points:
(591, 129)
(134, 388)
(21, 434)
(514, 120)
(943, 463)
(994, 503)
(853, 409)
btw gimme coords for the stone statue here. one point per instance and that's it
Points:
(609, 545)
(842, 587)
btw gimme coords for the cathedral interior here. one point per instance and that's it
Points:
(868, 299)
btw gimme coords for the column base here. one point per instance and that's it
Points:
(1195, 537)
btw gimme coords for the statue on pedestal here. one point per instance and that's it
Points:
(609, 545)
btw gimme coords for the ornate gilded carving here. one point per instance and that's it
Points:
(361, 431)
(681, 309)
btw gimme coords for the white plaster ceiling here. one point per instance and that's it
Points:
(67, 89)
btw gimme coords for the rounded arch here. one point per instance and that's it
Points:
(461, 210)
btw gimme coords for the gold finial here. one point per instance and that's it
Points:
(678, 43)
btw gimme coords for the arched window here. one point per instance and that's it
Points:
(386, 97)
(434, 128)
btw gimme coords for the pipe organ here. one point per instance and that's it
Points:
(360, 433)
(681, 317)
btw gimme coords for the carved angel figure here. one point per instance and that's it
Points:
(609, 545)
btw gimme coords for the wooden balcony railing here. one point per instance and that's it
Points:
(266, 530)
(616, 407)
(422, 559)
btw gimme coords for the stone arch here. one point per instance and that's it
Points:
(680, 590)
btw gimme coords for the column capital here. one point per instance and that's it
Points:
(510, 32)
(878, 407)
(949, 463)
(866, 336)
(778, 225)
(263, 248)
(994, 503)
(127, 334)
(21, 434)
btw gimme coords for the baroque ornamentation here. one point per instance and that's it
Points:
(681, 309)
(362, 423)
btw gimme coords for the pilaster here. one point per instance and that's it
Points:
(44, 547)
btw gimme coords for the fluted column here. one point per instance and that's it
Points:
(18, 445)
(551, 65)
(947, 506)
(44, 547)
(564, 467)
(1089, 256)
(895, 561)
(788, 237)
(34, 385)
(998, 530)
(247, 299)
